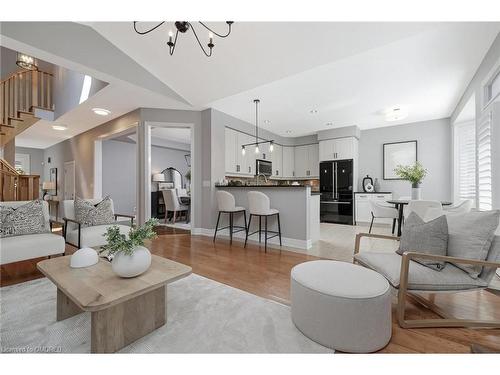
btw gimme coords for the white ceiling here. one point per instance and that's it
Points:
(349, 72)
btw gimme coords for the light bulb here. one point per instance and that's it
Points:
(256, 149)
(271, 147)
(243, 151)
(170, 34)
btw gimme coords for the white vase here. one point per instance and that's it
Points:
(416, 193)
(138, 262)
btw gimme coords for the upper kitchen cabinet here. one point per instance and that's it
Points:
(237, 164)
(338, 149)
(307, 161)
(288, 161)
(277, 160)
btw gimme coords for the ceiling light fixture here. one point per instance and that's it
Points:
(395, 114)
(257, 143)
(59, 127)
(313, 111)
(26, 62)
(101, 111)
(329, 124)
(267, 122)
(288, 132)
(183, 27)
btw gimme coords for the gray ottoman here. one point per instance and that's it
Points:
(341, 305)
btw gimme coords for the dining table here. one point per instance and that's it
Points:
(400, 204)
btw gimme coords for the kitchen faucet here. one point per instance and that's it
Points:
(261, 174)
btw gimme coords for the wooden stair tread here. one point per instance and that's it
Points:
(15, 118)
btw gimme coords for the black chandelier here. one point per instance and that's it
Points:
(183, 27)
(257, 143)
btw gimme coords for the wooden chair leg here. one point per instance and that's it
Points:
(175, 214)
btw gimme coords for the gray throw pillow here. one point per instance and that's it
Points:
(26, 219)
(89, 214)
(470, 237)
(425, 237)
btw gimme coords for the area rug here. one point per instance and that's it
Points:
(203, 316)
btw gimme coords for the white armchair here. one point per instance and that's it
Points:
(93, 236)
(30, 246)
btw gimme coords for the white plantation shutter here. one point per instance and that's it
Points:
(465, 161)
(484, 180)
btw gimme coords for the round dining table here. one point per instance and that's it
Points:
(400, 203)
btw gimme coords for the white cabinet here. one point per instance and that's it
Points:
(307, 161)
(237, 164)
(338, 149)
(277, 160)
(288, 161)
(363, 207)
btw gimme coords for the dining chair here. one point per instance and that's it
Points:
(461, 208)
(172, 204)
(380, 211)
(420, 207)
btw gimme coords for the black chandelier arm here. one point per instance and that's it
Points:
(257, 143)
(198, 40)
(147, 31)
(229, 24)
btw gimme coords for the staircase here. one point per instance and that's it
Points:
(15, 186)
(21, 95)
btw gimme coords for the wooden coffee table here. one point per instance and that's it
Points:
(122, 310)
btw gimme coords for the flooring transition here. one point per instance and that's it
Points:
(268, 275)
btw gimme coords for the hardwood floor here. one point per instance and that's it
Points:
(268, 275)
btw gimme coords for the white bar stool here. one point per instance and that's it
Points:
(259, 205)
(227, 205)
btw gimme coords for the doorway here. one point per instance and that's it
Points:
(69, 180)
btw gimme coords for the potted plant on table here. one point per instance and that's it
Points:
(415, 174)
(130, 257)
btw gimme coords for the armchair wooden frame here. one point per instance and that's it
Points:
(403, 293)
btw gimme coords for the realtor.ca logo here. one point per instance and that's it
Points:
(32, 349)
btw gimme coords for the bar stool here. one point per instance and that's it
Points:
(227, 205)
(259, 205)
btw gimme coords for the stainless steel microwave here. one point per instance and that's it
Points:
(263, 166)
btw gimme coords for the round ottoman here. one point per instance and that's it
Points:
(341, 305)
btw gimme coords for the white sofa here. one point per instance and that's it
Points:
(93, 236)
(30, 246)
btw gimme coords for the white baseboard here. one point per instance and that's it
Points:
(292, 244)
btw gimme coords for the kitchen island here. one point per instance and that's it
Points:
(299, 213)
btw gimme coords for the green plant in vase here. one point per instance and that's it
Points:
(130, 257)
(414, 174)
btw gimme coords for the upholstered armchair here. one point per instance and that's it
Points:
(80, 236)
(410, 277)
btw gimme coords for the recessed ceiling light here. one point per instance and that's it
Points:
(101, 111)
(313, 111)
(329, 124)
(395, 113)
(59, 127)
(288, 132)
(267, 122)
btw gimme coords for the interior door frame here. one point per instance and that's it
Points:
(72, 162)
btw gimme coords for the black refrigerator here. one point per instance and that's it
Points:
(337, 198)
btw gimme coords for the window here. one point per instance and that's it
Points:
(465, 161)
(484, 184)
(492, 88)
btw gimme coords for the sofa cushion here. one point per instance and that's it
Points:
(92, 236)
(470, 237)
(28, 218)
(89, 214)
(419, 277)
(427, 238)
(15, 249)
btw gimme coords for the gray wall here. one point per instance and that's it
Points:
(433, 147)
(119, 173)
